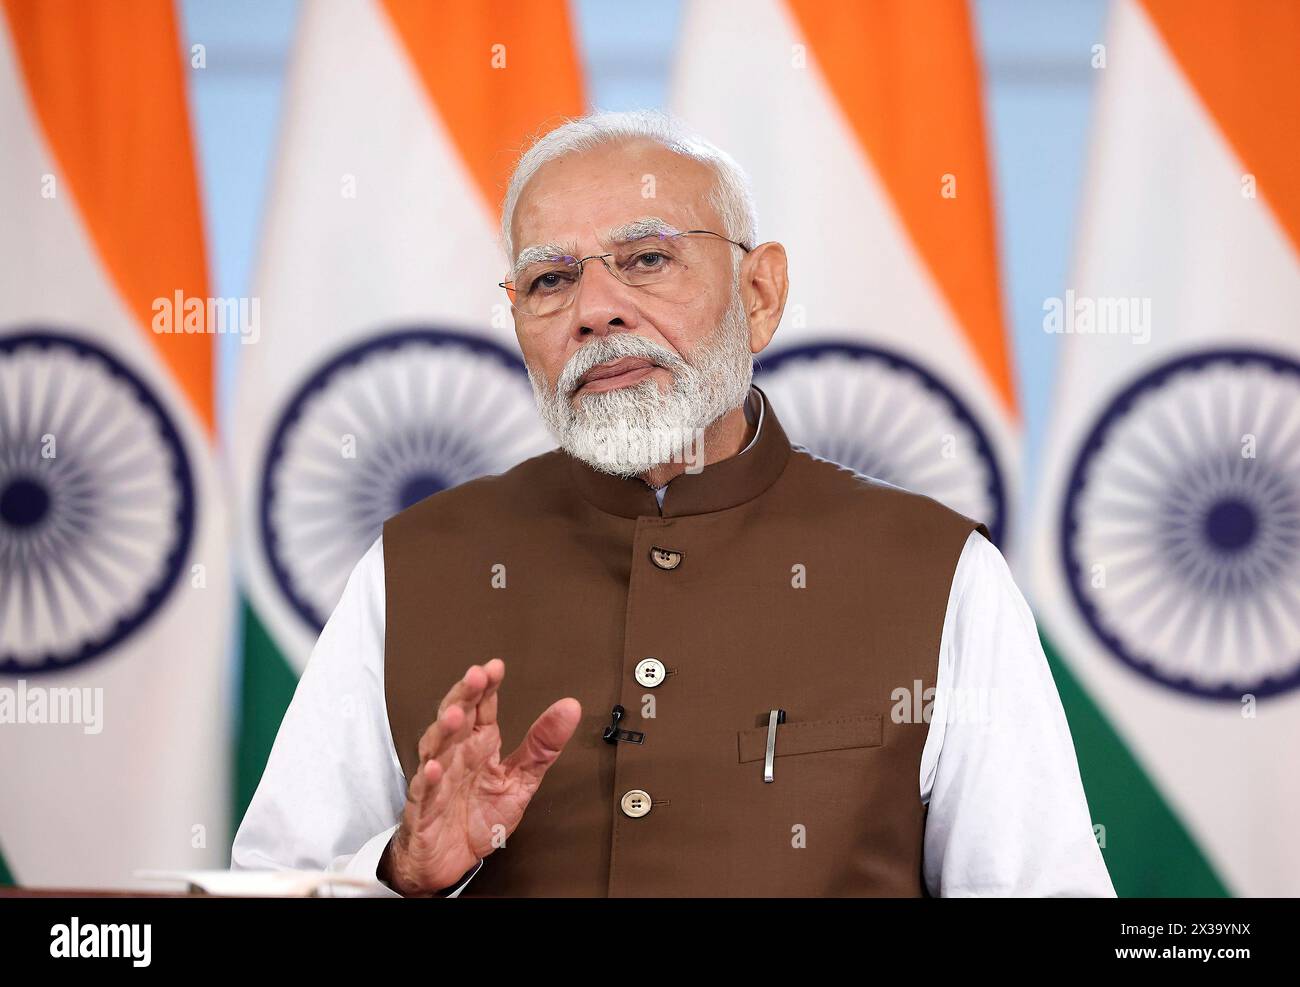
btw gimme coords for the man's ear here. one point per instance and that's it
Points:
(764, 284)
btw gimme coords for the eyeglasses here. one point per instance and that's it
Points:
(663, 262)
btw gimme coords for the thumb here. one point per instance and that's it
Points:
(545, 740)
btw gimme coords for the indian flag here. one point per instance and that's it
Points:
(861, 128)
(115, 591)
(1167, 551)
(387, 367)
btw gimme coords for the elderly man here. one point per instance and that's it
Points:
(735, 668)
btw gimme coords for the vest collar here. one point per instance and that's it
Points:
(717, 487)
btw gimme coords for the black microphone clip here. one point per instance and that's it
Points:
(613, 734)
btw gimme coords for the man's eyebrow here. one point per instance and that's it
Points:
(638, 229)
(641, 228)
(539, 252)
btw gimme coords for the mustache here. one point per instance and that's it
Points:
(614, 347)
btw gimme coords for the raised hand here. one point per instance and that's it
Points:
(463, 793)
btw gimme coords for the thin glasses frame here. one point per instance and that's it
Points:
(579, 262)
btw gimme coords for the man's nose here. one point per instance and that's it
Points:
(603, 303)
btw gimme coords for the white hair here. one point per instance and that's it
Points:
(732, 193)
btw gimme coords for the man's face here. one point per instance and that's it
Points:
(621, 355)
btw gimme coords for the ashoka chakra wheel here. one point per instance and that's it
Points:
(96, 502)
(885, 416)
(377, 428)
(1181, 524)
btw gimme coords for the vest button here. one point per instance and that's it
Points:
(650, 672)
(665, 558)
(636, 803)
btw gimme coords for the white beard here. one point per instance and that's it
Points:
(631, 430)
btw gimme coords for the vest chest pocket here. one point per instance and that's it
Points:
(828, 823)
(812, 736)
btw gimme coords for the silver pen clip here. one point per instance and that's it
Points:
(774, 717)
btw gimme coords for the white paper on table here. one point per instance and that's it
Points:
(267, 883)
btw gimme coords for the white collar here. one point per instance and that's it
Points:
(752, 416)
(755, 397)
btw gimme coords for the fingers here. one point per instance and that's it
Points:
(465, 695)
(424, 782)
(467, 689)
(471, 701)
(450, 721)
(545, 740)
(487, 706)
(476, 691)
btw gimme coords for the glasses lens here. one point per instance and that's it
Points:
(650, 261)
(659, 263)
(543, 288)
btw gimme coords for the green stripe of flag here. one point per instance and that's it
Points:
(6, 876)
(267, 685)
(1147, 850)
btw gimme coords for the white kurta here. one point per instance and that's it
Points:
(1007, 813)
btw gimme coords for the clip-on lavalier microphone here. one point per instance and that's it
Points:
(613, 734)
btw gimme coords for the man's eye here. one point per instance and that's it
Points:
(547, 281)
(649, 260)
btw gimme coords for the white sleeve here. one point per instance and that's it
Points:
(1007, 813)
(333, 789)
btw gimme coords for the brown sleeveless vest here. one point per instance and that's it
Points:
(773, 579)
